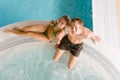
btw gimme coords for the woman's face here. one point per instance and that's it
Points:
(61, 23)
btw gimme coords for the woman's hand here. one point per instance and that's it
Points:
(56, 45)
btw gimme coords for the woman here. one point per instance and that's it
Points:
(43, 32)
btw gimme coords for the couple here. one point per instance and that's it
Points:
(69, 34)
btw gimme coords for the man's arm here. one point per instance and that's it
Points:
(93, 37)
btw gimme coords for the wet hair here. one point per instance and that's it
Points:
(66, 18)
(77, 20)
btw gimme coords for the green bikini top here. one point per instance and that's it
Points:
(55, 33)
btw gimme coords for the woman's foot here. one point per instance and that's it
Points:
(7, 31)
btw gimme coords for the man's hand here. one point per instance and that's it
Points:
(97, 38)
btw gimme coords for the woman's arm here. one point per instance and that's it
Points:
(59, 36)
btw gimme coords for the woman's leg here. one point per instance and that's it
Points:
(16, 32)
(34, 28)
(72, 61)
(38, 36)
(58, 54)
(50, 33)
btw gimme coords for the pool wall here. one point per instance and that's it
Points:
(105, 21)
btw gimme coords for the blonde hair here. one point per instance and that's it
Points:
(77, 20)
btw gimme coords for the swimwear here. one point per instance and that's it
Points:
(46, 31)
(65, 44)
(53, 26)
(54, 33)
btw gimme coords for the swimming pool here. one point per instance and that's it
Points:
(15, 11)
(29, 59)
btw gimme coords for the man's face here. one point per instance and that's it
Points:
(75, 29)
(61, 23)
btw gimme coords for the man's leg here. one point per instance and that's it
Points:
(72, 61)
(58, 54)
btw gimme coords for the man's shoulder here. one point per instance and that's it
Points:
(87, 31)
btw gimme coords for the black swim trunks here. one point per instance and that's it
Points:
(75, 49)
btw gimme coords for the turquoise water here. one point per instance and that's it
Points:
(12, 11)
(33, 61)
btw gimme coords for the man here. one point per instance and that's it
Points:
(73, 41)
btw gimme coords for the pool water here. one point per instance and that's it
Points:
(13, 11)
(33, 61)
